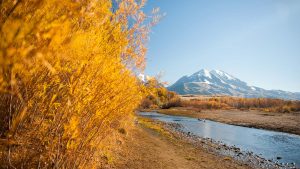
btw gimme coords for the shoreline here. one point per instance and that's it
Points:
(280, 122)
(223, 150)
(153, 144)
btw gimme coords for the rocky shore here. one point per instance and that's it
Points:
(223, 150)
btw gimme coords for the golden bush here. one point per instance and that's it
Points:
(157, 96)
(67, 78)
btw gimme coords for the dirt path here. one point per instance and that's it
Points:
(285, 122)
(145, 148)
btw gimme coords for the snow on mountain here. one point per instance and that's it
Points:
(222, 74)
(217, 82)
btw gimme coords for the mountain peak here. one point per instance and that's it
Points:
(217, 73)
(202, 72)
(218, 82)
(221, 73)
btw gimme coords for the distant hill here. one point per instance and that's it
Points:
(217, 82)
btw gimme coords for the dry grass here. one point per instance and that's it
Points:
(151, 124)
(264, 104)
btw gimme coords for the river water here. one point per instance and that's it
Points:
(270, 145)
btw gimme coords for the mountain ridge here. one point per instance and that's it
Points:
(218, 82)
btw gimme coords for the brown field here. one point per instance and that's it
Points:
(231, 102)
(190, 97)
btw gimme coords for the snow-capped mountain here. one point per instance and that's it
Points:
(217, 82)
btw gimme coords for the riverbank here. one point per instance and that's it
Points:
(148, 145)
(284, 122)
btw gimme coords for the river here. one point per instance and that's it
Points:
(271, 145)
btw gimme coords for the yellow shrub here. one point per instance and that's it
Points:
(66, 78)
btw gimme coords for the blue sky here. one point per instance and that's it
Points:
(257, 41)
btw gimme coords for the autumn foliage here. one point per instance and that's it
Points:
(226, 102)
(157, 96)
(67, 78)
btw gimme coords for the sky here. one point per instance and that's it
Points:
(257, 41)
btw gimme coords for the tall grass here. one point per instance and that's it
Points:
(66, 79)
